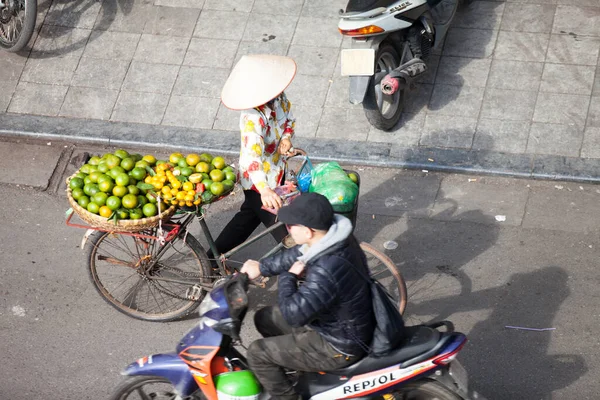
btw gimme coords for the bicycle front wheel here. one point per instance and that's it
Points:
(17, 23)
(383, 269)
(145, 280)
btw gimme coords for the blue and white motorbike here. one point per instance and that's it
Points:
(392, 41)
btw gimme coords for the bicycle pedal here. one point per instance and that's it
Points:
(194, 293)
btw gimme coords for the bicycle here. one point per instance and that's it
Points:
(17, 23)
(167, 271)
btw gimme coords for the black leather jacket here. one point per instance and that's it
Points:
(334, 299)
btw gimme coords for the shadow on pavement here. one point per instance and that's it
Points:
(59, 23)
(529, 299)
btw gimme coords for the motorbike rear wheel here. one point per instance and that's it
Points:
(17, 23)
(425, 390)
(383, 111)
(149, 387)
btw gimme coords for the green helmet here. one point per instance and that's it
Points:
(237, 385)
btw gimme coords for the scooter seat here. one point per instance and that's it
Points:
(365, 5)
(419, 339)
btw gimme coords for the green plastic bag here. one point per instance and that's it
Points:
(330, 180)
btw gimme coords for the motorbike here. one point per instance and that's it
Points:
(391, 44)
(207, 365)
(17, 23)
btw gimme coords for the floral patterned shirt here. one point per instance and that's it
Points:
(262, 128)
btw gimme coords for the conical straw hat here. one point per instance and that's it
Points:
(257, 79)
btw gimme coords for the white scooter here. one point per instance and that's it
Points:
(392, 41)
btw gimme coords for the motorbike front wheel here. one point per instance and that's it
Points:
(383, 111)
(149, 387)
(17, 23)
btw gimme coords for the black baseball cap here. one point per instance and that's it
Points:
(312, 210)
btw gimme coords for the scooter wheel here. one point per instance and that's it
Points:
(383, 111)
(425, 390)
(148, 387)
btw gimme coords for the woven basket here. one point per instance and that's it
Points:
(124, 225)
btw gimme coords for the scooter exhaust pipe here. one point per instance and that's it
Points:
(403, 76)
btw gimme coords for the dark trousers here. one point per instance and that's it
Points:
(298, 349)
(245, 222)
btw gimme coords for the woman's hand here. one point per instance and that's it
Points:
(270, 199)
(284, 146)
(252, 268)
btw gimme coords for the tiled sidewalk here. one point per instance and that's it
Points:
(512, 77)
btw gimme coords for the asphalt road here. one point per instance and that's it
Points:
(60, 340)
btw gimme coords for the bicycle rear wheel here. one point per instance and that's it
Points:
(17, 23)
(383, 269)
(128, 274)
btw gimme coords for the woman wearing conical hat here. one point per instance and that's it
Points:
(255, 87)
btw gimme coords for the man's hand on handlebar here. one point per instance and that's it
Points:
(251, 267)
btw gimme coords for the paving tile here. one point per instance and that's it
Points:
(463, 71)
(593, 116)
(278, 7)
(321, 9)
(517, 75)
(75, 14)
(564, 140)
(416, 100)
(535, 18)
(229, 5)
(11, 66)
(343, 123)
(319, 61)
(479, 15)
(339, 92)
(7, 88)
(501, 135)
(161, 49)
(211, 53)
(192, 112)
(457, 101)
(153, 78)
(226, 119)
(102, 74)
(308, 90)
(476, 43)
(448, 131)
(573, 79)
(265, 28)
(406, 134)
(91, 103)
(172, 21)
(269, 47)
(510, 105)
(214, 24)
(58, 41)
(575, 208)
(568, 109)
(112, 45)
(200, 82)
(583, 21)
(145, 108)
(180, 3)
(38, 99)
(596, 88)
(591, 143)
(522, 46)
(480, 201)
(399, 195)
(124, 16)
(52, 70)
(321, 32)
(573, 49)
(307, 120)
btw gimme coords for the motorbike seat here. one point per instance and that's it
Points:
(366, 5)
(419, 339)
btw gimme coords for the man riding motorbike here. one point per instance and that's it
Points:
(323, 323)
